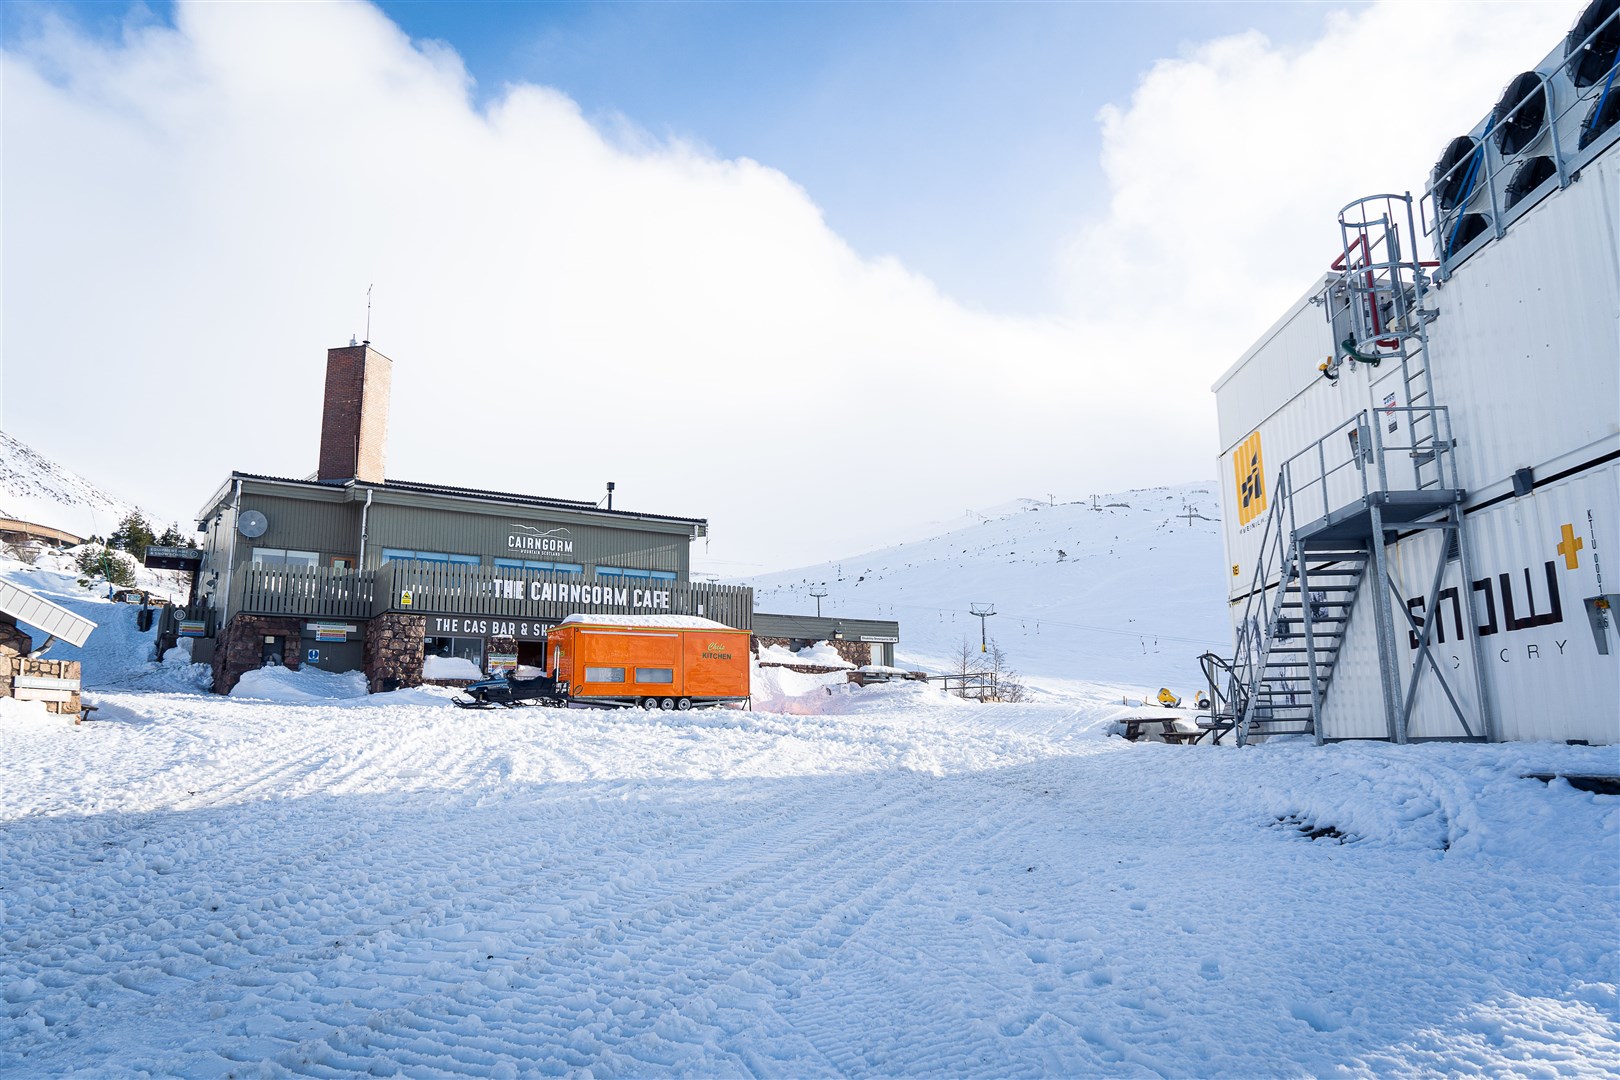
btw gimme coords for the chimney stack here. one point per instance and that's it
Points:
(354, 417)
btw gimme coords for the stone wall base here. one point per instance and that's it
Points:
(12, 665)
(240, 647)
(394, 650)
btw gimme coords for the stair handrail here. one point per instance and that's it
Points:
(1250, 656)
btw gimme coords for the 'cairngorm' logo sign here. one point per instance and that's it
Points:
(530, 538)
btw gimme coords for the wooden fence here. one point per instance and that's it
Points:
(448, 589)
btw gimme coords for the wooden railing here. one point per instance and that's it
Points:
(438, 588)
(305, 591)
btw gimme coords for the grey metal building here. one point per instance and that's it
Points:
(860, 641)
(347, 570)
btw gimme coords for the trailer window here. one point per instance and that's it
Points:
(655, 674)
(604, 674)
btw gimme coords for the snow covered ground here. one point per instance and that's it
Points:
(302, 880)
(883, 881)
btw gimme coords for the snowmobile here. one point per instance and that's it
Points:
(509, 692)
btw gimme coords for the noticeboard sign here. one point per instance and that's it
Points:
(172, 558)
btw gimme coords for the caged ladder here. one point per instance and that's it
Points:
(1338, 504)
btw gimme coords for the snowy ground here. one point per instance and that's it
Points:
(297, 880)
(894, 883)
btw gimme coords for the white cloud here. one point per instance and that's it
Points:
(1229, 165)
(193, 215)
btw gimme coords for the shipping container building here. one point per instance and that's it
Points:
(1420, 460)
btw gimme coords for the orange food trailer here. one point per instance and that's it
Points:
(654, 661)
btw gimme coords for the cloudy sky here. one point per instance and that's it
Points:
(816, 272)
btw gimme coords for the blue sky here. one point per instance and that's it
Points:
(960, 138)
(896, 118)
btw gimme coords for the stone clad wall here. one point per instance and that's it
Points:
(240, 647)
(15, 645)
(393, 654)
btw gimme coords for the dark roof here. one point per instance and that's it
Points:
(475, 493)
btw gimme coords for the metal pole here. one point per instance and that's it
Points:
(1387, 677)
(1487, 713)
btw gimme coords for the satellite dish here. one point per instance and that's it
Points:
(252, 524)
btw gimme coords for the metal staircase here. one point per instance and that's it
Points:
(1337, 505)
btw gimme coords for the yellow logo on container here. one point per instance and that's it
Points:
(1251, 481)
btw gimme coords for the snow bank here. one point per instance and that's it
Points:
(285, 685)
(451, 667)
(820, 654)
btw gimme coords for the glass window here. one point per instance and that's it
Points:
(604, 674)
(628, 572)
(283, 557)
(655, 675)
(431, 557)
(465, 648)
(533, 564)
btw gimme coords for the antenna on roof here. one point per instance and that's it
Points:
(368, 314)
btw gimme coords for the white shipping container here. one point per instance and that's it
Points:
(1524, 356)
(1538, 560)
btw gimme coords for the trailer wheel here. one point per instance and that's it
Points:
(683, 704)
(649, 703)
(667, 704)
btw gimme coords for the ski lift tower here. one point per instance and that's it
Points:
(983, 611)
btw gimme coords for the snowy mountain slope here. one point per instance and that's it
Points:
(35, 488)
(1128, 591)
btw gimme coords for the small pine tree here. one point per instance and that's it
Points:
(134, 535)
(171, 538)
(93, 561)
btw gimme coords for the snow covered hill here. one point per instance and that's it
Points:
(34, 488)
(1129, 590)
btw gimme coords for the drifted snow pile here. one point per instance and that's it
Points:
(306, 684)
(883, 881)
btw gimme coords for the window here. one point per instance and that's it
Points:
(628, 572)
(604, 674)
(465, 648)
(531, 564)
(430, 557)
(655, 675)
(283, 557)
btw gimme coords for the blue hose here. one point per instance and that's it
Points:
(1597, 117)
(1468, 185)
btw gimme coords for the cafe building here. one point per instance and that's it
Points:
(346, 570)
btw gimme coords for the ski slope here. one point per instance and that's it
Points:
(1137, 594)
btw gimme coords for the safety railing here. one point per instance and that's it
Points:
(1451, 194)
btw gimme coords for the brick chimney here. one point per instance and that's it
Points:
(354, 416)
